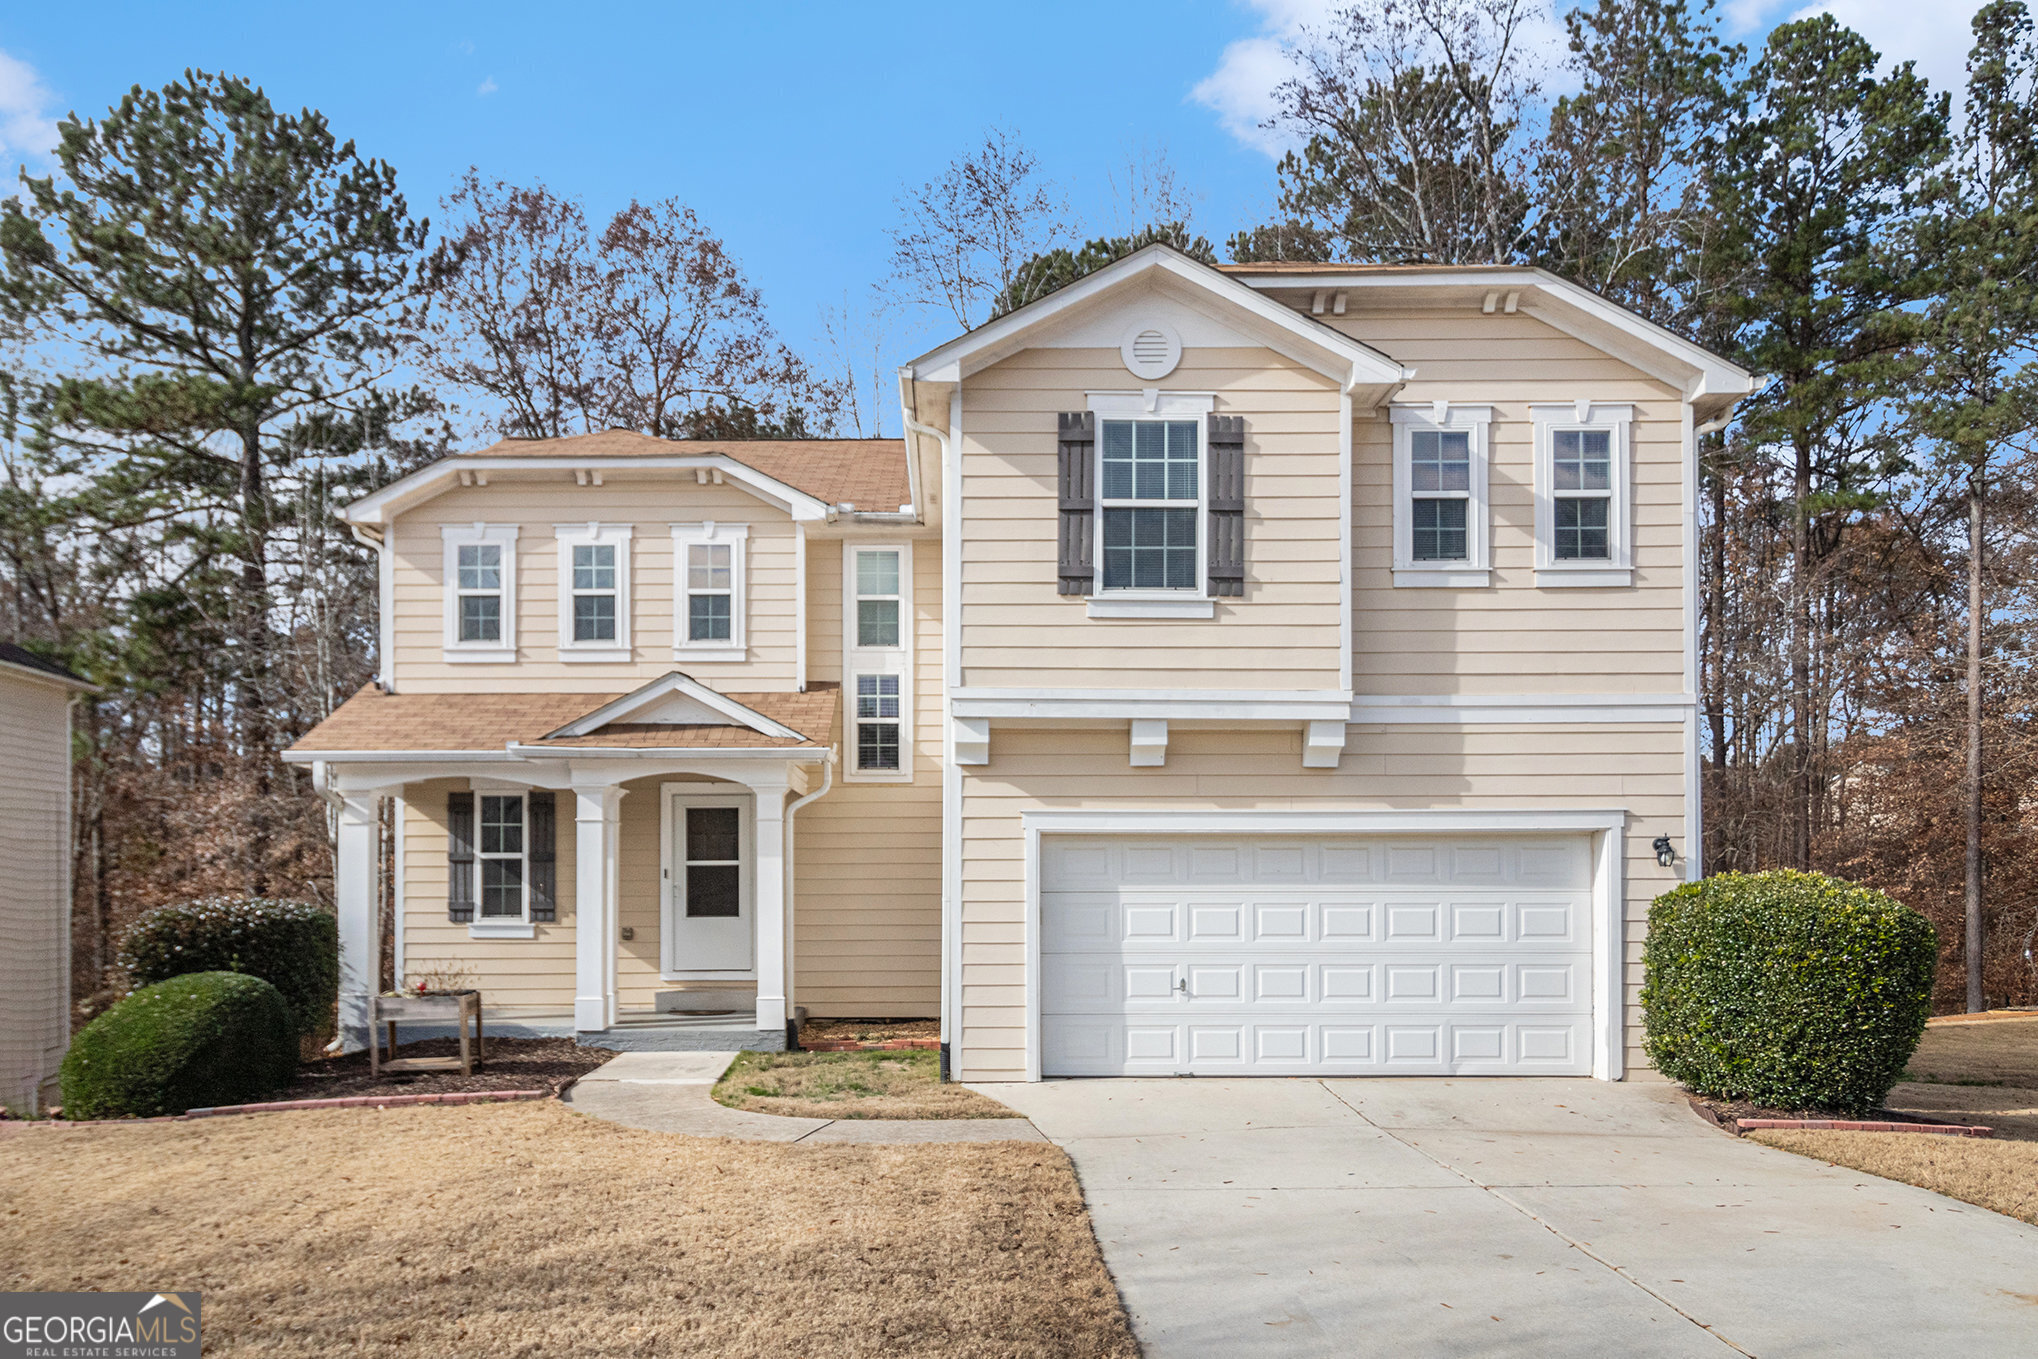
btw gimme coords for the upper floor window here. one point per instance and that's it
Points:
(708, 591)
(877, 597)
(480, 592)
(594, 592)
(877, 659)
(1440, 516)
(1149, 499)
(1583, 533)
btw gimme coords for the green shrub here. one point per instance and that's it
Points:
(292, 945)
(187, 1043)
(1789, 990)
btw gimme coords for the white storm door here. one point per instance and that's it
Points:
(1229, 955)
(707, 925)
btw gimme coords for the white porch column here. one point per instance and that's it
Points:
(354, 900)
(594, 906)
(770, 900)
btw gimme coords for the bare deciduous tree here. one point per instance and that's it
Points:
(961, 238)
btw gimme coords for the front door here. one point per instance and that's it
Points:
(706, 879)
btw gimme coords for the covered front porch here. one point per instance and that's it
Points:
(629, 882)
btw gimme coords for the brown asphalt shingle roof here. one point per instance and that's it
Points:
(422, 723)
(867, 473)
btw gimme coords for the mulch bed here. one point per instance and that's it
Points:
(870, 1035)
(548, 1064)
(1728, 1116)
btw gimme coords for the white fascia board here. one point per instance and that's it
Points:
(60, 681)
(1526, 709)
(618, 710)
(1694, 370)
(382, 505)
(1119, 705)
(393, 756)
(800, 754)
(1354, 363)
(1164, 821)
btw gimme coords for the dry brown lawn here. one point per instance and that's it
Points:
(525, 1229)
(1963, 1073)
(850, 1085)
(1998, 1175)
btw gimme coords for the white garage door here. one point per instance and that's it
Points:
(1167, 955)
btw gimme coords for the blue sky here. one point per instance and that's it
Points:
(789, 127)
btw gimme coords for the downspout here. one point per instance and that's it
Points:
(322, 788)
(792, 1011)
(951, 786)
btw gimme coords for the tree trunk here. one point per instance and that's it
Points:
(1975, 999)
(251, 698)
(1801, 713)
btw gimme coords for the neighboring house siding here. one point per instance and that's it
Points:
(1634, 767)
(1020, 633)
(867, 908)
(1511, 637)
(651, 507)
(35, 914)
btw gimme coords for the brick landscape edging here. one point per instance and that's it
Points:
(1854, 1125)
(280, 1106)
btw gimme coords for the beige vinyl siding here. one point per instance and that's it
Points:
(35, 910)
(1513, 638)
(1634, 767)
(867, 888)
(1019, 633)
(535, 506)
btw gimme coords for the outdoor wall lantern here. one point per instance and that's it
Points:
(1665, 854)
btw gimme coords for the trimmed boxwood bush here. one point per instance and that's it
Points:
(187, 1043)
(292, 945)
(1789, 990)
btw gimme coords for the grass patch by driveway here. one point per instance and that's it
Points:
(526, 1229)
(850, 1085)
(1961, 1073)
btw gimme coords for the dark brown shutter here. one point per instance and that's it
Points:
(544, 864)
(1227, 505)
(1078, 502)
(460, 857)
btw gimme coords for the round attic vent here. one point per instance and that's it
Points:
(1151, 349)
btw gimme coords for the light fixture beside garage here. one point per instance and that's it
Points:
(1666, 853)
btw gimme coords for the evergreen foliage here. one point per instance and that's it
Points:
(292, 945)
(196, 1041)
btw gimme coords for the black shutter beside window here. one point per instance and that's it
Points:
(1078, 502)
(543, 859)
(1226, 442)
(460, 857)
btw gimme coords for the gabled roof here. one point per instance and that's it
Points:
(674, 699)
(809, 478)
(20, 659)
(1353, 364)
(375, 724)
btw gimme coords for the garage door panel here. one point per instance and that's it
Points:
(1396, 956)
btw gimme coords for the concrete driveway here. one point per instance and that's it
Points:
(1512, 1217)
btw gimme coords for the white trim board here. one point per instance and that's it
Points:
(384, 504)
(1609, 895)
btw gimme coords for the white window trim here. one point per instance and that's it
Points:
(571, 536)
(862, 660)
(1618, 568)
(1152, 404)
(519, 926)
(737, 538)
(453, 538)
(1476, 570)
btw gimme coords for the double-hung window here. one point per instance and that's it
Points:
(1582, 520)
(877, 659)
(1440, 516)
(481, 591)
(499, 850)
(1149, 499)
(707, 596)
(594, 592)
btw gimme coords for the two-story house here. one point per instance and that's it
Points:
(1266, 669)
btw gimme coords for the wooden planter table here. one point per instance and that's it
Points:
(462, 1007)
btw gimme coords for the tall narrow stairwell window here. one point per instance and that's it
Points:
(877, 661)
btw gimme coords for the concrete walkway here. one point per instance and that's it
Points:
(671, 1092)
(1536, 1217)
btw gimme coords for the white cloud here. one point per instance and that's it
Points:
(487, 87)
(27, 132)
(1905, 30)
(1241, 90)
